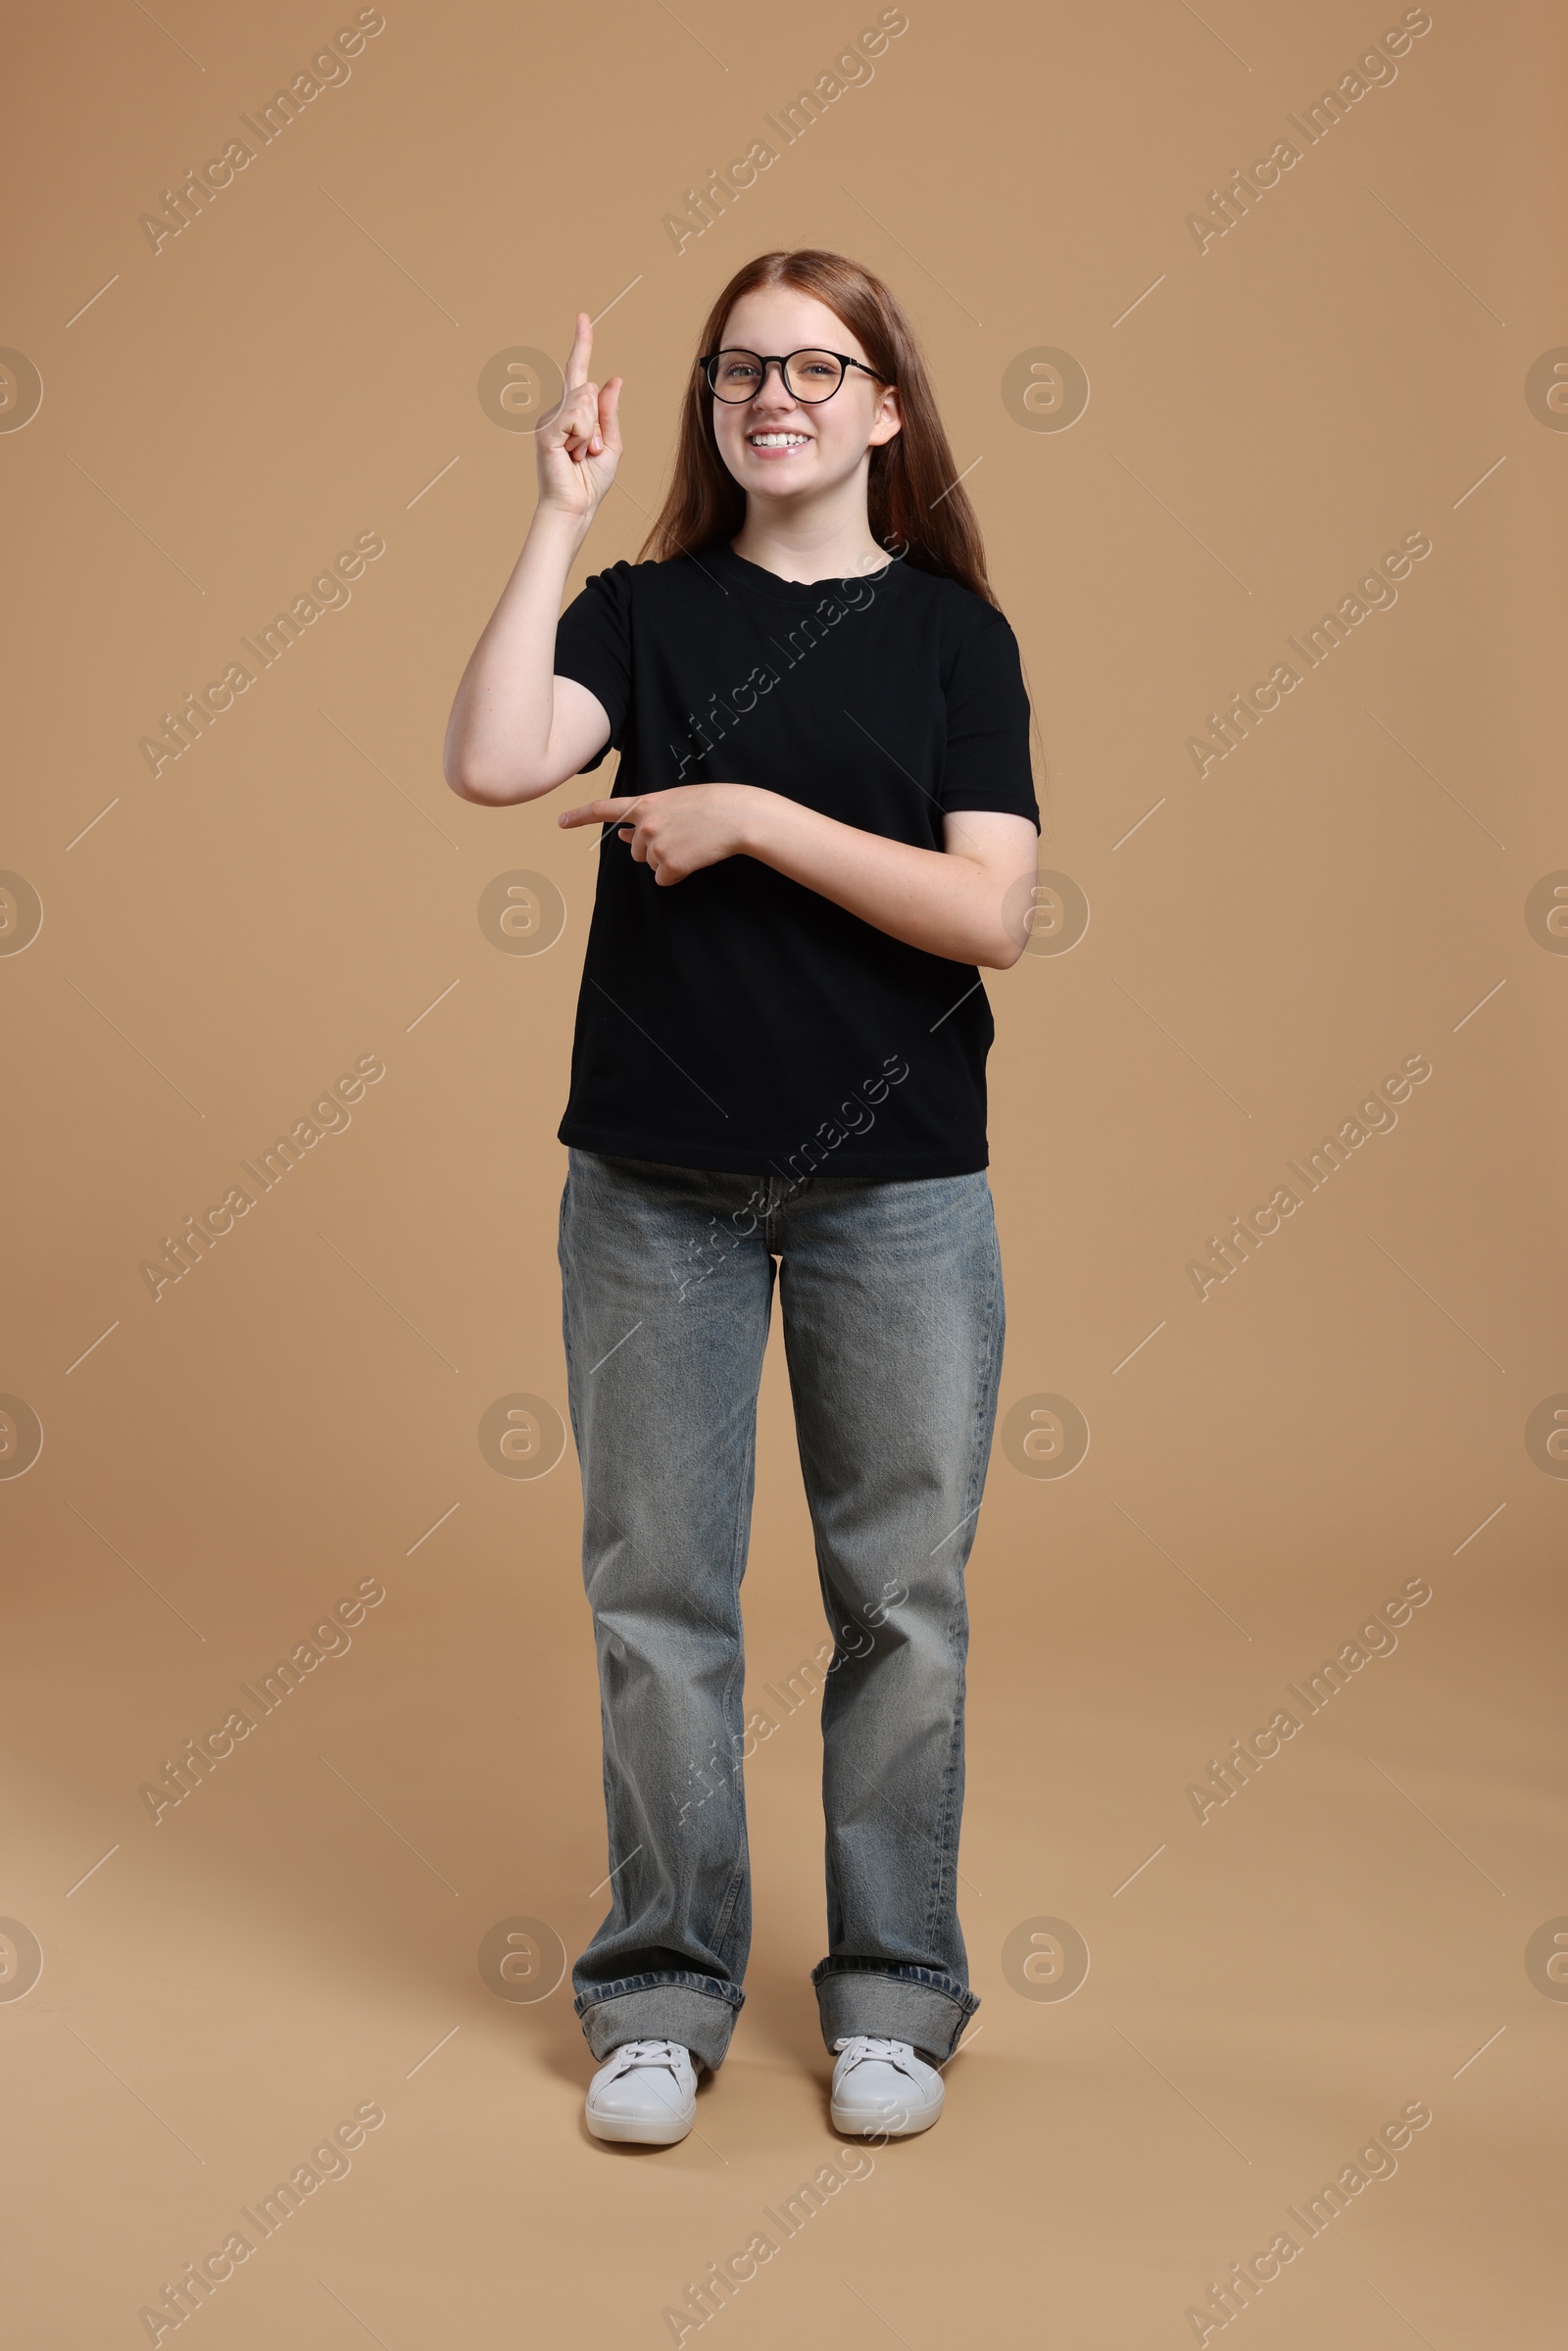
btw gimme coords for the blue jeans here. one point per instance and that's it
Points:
(891, 1303)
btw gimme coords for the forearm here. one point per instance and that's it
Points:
(499, 732)
(929, 898)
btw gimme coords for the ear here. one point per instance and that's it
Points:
(888, 420)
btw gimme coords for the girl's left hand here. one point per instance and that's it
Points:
(677, 832)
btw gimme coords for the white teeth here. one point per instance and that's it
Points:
(778, 440)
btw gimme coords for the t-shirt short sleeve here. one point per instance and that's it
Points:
(987, 763)
(593, 646)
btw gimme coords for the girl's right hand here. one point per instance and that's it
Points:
(579, 448)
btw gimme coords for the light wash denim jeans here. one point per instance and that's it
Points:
(892, 1303)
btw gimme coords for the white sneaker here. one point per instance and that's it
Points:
(882, 2087)
(647, 2091)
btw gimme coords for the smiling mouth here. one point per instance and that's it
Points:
(777, 440)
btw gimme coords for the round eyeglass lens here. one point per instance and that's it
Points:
(812, 374)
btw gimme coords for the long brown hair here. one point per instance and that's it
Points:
(914, 505)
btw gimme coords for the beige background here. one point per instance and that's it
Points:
(1266, 418)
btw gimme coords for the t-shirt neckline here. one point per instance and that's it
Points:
(739, 571)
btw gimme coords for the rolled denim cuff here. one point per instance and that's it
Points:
(663, 2010)
(917, 2004)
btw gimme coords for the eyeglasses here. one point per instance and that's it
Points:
(807, 376)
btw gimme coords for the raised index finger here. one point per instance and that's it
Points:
(582, 345)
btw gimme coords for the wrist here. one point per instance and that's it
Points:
(757, 820)
(561, 527)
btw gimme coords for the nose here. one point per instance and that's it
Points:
(784, 392)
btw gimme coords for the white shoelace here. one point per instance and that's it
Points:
(858, 2047)
(632, 2053)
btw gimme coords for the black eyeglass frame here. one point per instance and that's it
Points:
(710, 360)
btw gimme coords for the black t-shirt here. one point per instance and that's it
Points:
(737, 1020)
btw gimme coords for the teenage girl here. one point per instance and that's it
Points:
(824, 820)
